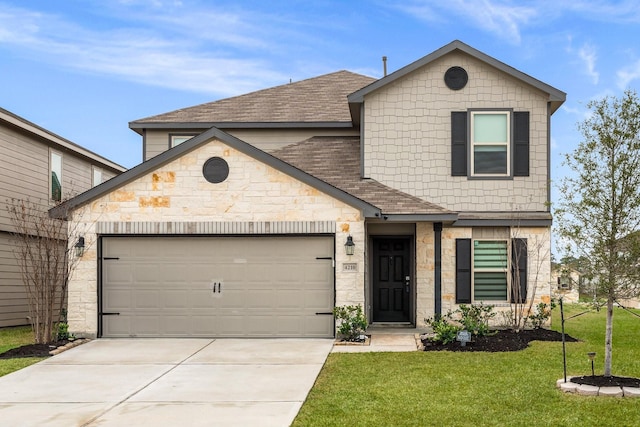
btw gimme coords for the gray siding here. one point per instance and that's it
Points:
(157, 141)
(24, 174)
(13, 299)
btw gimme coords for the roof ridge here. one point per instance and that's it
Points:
(291, 85)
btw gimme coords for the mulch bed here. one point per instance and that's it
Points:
(602, 381)
(502, 340)
(506, 340)
(32, 350)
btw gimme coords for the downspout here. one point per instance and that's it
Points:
(437, 279)
(548, 157)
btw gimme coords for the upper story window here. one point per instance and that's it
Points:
(178, 139)
(96, 176)
(490, 143)
(55, 167)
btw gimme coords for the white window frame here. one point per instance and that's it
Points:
(506, 270)
(174, 138)
(507, 143)
(53, 153)
(96, 176)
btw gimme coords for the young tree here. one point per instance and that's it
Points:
(600, 210)
(45, 261)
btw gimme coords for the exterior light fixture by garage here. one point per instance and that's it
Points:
(349, 247)
(79, 247)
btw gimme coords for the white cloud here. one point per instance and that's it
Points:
(587, 54)
(500, 17)
(628, 74)
(170, 52)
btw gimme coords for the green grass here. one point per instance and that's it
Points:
(470, 389)
(11, 338)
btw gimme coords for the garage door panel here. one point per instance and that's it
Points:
(318, 299)
(117, 299)
(146, 299)
(270, 286)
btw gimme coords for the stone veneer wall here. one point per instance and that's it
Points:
(539, 268)
(177, 193)
(407, 129)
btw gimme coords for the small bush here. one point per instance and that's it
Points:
(542, 314)
(444, 331)
(352, 322)
(475, 318)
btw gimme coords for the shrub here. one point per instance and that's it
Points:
(352, 322)
(542, 314)
(444, 331)
(475, 318)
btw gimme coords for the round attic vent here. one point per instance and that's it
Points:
(456, 78)
(215, 170)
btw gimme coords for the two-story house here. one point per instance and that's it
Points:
(43, 168)
(256, 215)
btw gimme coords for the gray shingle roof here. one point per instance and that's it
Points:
(319, 99)
(336, 160)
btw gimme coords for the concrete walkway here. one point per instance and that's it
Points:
(394, 339)
(166, 382)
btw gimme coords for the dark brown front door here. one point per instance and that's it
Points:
(391, 279)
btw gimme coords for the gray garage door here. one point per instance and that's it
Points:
(217, 286)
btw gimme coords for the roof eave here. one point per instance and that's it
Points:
(139, 126)
(154, 163)
(555, 95)
(426, 217)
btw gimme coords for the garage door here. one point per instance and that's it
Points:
(217, 286)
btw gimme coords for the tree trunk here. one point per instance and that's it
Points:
(608, 338)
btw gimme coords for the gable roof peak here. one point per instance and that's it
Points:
(556, 96)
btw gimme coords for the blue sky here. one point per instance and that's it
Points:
(85, 68)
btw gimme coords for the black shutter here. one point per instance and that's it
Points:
(521, 143)
(463, 271)
(458, 143)
(519, 266)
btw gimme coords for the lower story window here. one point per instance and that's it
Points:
(490, 268)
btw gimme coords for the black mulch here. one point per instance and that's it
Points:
(506, 340)
(502, 340)
(602, 381)
(32, 350)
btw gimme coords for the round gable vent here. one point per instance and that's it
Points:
(456, 78)
(215, 170)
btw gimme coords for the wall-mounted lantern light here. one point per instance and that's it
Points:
(79, 247)
(349, 247)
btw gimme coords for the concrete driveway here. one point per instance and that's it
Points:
(166, 382)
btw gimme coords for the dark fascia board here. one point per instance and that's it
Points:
(556, 96)
(503, 223)
(139, 126)
(444, 217)
(154, 163)
(57, 141)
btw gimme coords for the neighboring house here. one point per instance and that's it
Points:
(256, 215)
(41, 167)
(567, 283)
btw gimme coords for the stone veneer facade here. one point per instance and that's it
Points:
(177, 193)
(407, 129)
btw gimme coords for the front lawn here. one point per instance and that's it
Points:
(460, 389)
(12, 338)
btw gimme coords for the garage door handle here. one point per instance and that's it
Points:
(110, 257)
(323, 313)
(111, 314)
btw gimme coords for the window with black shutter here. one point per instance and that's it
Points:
(489, 143)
